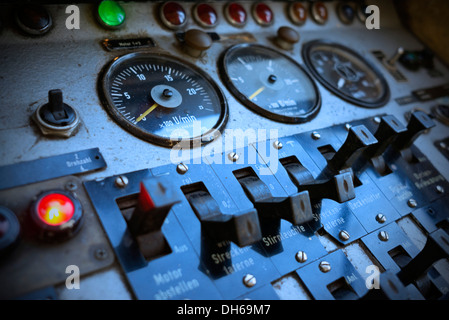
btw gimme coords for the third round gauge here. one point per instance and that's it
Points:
(270, 83)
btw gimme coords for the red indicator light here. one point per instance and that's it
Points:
(173, 15)
(236, 14)
(297, 13)
(55, 209)
(205, 15)
(319, 12)
(56, 215)
(263, 14)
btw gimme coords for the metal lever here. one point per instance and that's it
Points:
(339, 188)
(419, 122)
(296, 208)
(242, 228)
(359, 138)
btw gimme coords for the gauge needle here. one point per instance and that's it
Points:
(251, 97)
(147, 112)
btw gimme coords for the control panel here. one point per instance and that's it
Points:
(221, 150)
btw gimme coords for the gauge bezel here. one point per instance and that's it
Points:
(382, 101)
(118, 117)
(258, 109)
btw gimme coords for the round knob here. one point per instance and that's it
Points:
(286, 37)
(196, 41)
(33, 19)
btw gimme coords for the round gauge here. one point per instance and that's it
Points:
(346, 74)
(163, 100)
(270, 83)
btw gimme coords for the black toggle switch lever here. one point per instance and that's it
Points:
(156, 198)
(419, 122)
(436, 248)
(296, 208)
(389, 129)
(339, 188)
(241, 228)
(56, 112)
(359, 138)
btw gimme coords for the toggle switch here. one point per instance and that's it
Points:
(359, 138)
(394, 59)
(196, 42)
(295, 209)
(389, 129)
(156, 198)
(419, 123)
(242, 228)
(436, 248)
(339, 188)
(56, 117)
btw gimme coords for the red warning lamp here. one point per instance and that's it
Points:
(263, 14)
(57, 214)
(205, 15)
(173, 15)
(236, 14)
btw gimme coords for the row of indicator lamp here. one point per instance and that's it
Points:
(54, 216)
(36, 20)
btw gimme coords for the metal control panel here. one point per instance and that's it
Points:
(221, 150)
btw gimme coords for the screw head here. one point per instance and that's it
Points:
(377, 120)
(381, 218)
(439, 189)
(249, 280)
(233, 156)
(412, 203)
(324, 266)
(101, 254)
(344, 235)
(71, 186)
(182, 168)
(301, 256)
(383, 236)
(277, 144)
(121, 181)
(315, 135)
(347, 127)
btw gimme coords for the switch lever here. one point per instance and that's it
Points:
(419, 122)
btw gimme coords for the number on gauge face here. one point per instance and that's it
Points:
(163, 100)
(270, 83)
(346, 74)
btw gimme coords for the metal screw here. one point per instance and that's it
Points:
(377, 120)
(344, 235)
(71, 186)
(277, 144)
(182, 168)
(381, 218)
(325, 266)
(301, 256)
(383, 236)
(412, 203)
(315, 135)
(233, 156)
(101, 254)
(348, 126)
(121, 181)
(440, 189)
(249, 280)
(443, 145)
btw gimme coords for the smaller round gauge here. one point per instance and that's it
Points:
(346, 74)
(270, 83)
(163, 100)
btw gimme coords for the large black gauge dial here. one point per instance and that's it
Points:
(163, 100)
(270, 83)
(346, 74)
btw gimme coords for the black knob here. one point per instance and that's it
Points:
(9, 230)
(33, 19)
(56, 112)
(414, 60)
(242, 228)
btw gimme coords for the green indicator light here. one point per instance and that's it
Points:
(111, 14)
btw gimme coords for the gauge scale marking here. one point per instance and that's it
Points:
(163, 100)
(270, 83)
(346, 74)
